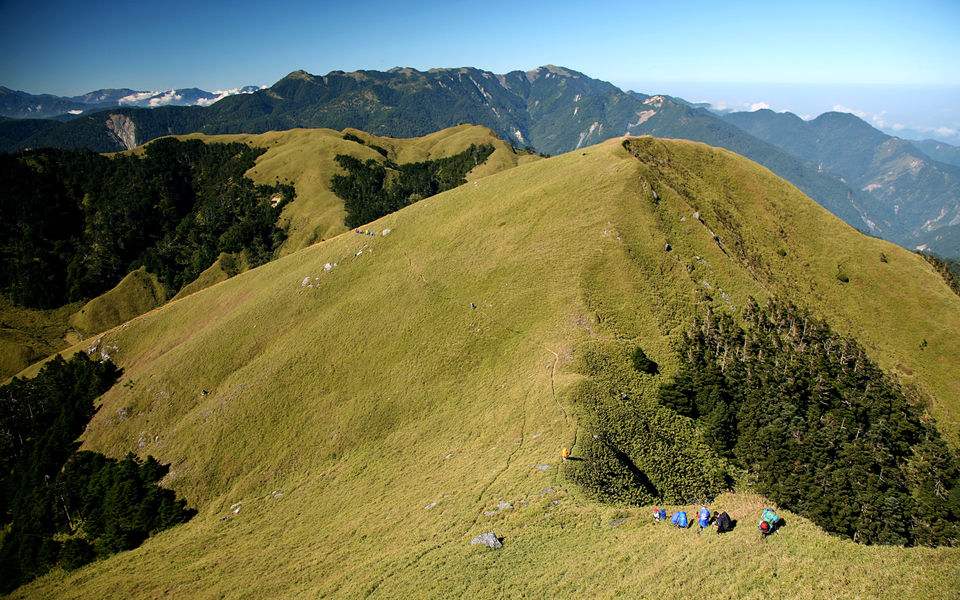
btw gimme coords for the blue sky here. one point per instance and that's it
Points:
(745, 48)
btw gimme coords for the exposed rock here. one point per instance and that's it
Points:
(504, 505)
(488, 539)
(385, 232)
(329, 267)
(543, 467)
(305, 282)
(123, 129)
(667, 247)
(430, 506)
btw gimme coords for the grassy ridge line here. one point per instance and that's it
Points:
(380, 391)
(306, 157)
(303, 156)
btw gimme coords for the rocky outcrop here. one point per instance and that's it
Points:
(123, 129)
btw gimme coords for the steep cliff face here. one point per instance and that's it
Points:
(123, 128)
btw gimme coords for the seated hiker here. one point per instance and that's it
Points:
(679, 519)
(703, 518)
(769, 520)
(565, 453)
(659, 514)
(724, 524)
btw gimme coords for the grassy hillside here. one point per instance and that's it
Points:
(30, 334)
(344, 432)
(137, 293)
(305, 158)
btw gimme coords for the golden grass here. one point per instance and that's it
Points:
(136, 293)
(338, 413)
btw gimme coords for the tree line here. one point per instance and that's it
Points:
(73, 223)
(61, 507)
(371, 189)
(822, 430)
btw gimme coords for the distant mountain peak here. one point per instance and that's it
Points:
(300, 74)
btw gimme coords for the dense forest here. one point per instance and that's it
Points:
(60, 507)
(820, 428)
(73, 223)
(371, 189)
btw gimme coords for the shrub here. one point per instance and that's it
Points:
(635, 450)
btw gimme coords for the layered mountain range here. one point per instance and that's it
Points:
(15, 104)
(898, 190)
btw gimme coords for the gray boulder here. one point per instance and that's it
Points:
(488, 539)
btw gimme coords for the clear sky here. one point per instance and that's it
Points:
(69, 48)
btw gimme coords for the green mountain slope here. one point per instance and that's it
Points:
(550, 108)
(913, 199)
(940, 151)
(304, 158)
(347, 431)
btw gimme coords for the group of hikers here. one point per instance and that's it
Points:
(769, 520)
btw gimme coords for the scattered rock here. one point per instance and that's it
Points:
(542, 467)
(618, 522)
(329, 267)
(488, 539)
(667, 247)
(430, 506)
(276, 495)
(656, 197)
(305, 282)
(235, 509)
(504, 505)
(696, 216)
(473, 306)
(546, 491)
(123, 413)
(385, 232)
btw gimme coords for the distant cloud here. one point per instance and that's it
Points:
(136, 97)
(221, 94)
(758, 106)
(165, 98)
(852, 111)
(945, 131)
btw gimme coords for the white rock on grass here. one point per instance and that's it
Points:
(488, 539)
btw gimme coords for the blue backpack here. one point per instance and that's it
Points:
(704, 517)
(680, 520)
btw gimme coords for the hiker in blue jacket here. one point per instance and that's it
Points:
(679, 519)
(703, 518)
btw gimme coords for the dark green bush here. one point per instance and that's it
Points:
(643, 364)
(635, 450)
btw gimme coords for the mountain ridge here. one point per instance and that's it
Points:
(912, 198)
(310, 435)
